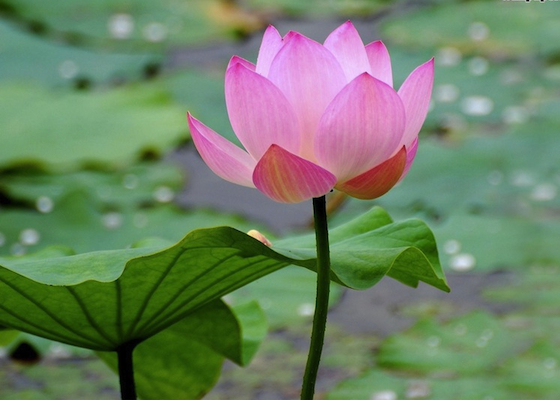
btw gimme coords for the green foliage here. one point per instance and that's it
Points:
(64, 65)
(479, 27)
(170, 298)
(85, 126)
(184, 361)
(155, 288)
(138, 25)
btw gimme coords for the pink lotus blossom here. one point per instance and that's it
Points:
(315, 117)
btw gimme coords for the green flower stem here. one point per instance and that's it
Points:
(322, 299)
(126, 370)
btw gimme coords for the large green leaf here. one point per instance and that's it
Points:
(102, 299)
(404, 250)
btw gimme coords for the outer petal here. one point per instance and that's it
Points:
(259, 112)
(362, 127)
(378, 180)
(287, 178)
(310, 77)
(239, 60)
(410, 155)
(270, 45)
(347, 46)
(380, 62)
(415, 93)
(223, 157)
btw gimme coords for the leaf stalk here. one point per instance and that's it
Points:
(321, 300)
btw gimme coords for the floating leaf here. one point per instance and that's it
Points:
(138, 25)
(60, 130)
(479, 27)
(534, 372)
(381, 385)
(86, 226)
(65, 65)
(142, 183)
(319, 7)
(467, 345)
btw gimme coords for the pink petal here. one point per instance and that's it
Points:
(310, 77)
(415, 93)
(223, 157)
(347, 46)
(259, 112)
(410, 155)
(378, 180)
(380, 62)
(238, 60)
(271, 43)
(362, 127)
(287, 178)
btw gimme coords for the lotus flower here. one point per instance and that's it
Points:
(314, 117)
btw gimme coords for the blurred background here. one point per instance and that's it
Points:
(95, 154)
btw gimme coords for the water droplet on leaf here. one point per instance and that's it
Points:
(29, 237)
(544, 192)
(68, 69)
(480, 342)
(515, 115)
(418, 390)
(17, 249)
(495, 177)
(477, 105)
(487, 334)
(433, 341)
(306, 309)
(112, 220)
(452, 246)
(462, 262)
(59, 351)
(522, 179)
(478, 66)
(44, 204)
(164, 194)
(446, 93)
(460, 329)
(120, 26)
(478, 31)
(384, 395)
(155, 32)
(130, 181)
(550, 363)
(448, 57)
